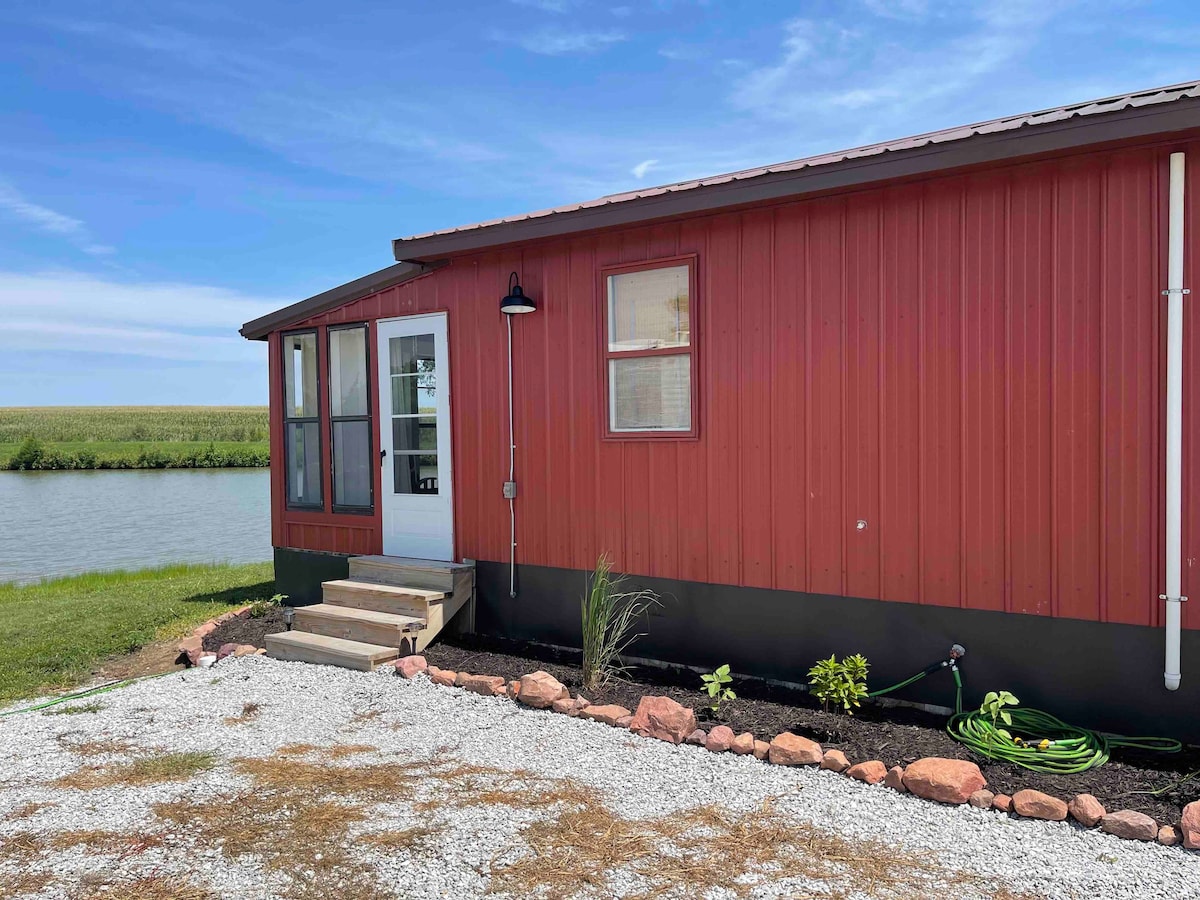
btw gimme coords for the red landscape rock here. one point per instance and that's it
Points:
(203, 631)
(409, 666)
(624, 722)
(570, 707)
(191, 647)
(1190, 825)
(609, 714)
(1131, 825)
(541, 689)
(761, 749)
(789, 749)
(1036, 805)
(1002, 802)
(982, 799)
(743, 744)
(1169, 836)
(835, 761)
(664, 719)
(895, 779)
(226, 650)
(460, 680)
(697, 737)
(244, 650)
(444, 677)
(514, 688)
(872, 771)
(719, 739)
(484, 685)
(1086, 810)
(945, 780)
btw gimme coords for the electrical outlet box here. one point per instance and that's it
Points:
(510, 490)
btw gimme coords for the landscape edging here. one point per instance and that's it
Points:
(940, 780)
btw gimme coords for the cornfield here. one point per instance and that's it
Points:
(60, 424)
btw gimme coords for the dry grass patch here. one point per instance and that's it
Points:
(297, 750)
(576, 852)
(405, 839)
(21, 847)
(119, 844)
(23, 884)
(249, 713)
(153, 769)
(75, 743)
(151, 887)
(27, 810)
(341, 751)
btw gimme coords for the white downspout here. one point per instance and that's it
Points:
(511, 492)
(1174, 475)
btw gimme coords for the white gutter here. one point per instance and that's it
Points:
(1174, 474)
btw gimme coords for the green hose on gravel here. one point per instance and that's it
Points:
(1053, 746)
(80, 695)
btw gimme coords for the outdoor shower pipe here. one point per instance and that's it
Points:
(1174, 462)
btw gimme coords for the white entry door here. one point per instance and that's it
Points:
(414, 415)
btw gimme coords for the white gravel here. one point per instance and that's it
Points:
(636, 777)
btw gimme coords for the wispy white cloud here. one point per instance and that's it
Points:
(42, 218)
(561, 41)
(639, 171)
(80, 313)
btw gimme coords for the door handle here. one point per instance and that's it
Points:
(382, 455)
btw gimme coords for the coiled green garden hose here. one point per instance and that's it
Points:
(80, 695)
(1044, 743)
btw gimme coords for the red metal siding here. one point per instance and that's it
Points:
(970, 365)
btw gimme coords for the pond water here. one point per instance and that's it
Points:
(61, 523)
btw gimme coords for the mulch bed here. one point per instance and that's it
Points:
(895, 735)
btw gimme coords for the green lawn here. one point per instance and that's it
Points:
(54, 633)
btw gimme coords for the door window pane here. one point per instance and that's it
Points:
(348, 371)
(415, 473)
(650, 393)
(304, 463)
(413, 394)
(300, 375)
(413, 434)
(649, 310)
(412, 355)
(352, 463)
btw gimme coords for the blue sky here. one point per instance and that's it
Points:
(169, 170)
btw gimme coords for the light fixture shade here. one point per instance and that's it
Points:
(516, 301)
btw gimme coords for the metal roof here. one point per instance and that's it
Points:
(1157, 110)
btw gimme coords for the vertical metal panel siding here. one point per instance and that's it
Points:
(969, 365)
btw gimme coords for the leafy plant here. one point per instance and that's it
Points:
(609, 616)
(993, 706)
(840, 684)
(260, 608)
(715, 684)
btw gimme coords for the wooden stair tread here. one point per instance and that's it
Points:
(384, 590)
(329, 611)
(301, 646)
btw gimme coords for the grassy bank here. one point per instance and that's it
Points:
(53, 634)
(133, 437)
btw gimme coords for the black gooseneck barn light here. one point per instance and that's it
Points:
(516, 301)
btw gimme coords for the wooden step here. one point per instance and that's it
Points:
(351, 624)
(301, 646)
(402, 571)
(384, 598)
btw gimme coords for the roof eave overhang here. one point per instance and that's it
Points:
(1001, 146)
(259, 328)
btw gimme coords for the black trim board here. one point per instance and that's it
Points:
(300, 573)
(1092, 674)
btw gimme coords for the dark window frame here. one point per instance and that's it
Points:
(691, 260)
(289, 419)
(350, 509)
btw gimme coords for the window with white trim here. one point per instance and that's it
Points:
(649, 357)
(301, 421)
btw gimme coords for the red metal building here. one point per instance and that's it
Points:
(875, 401)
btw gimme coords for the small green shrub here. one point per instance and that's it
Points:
(609, 616)
(840, 684)
(260, 608)
(993, 706)
(29, 455)
(715, 685)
